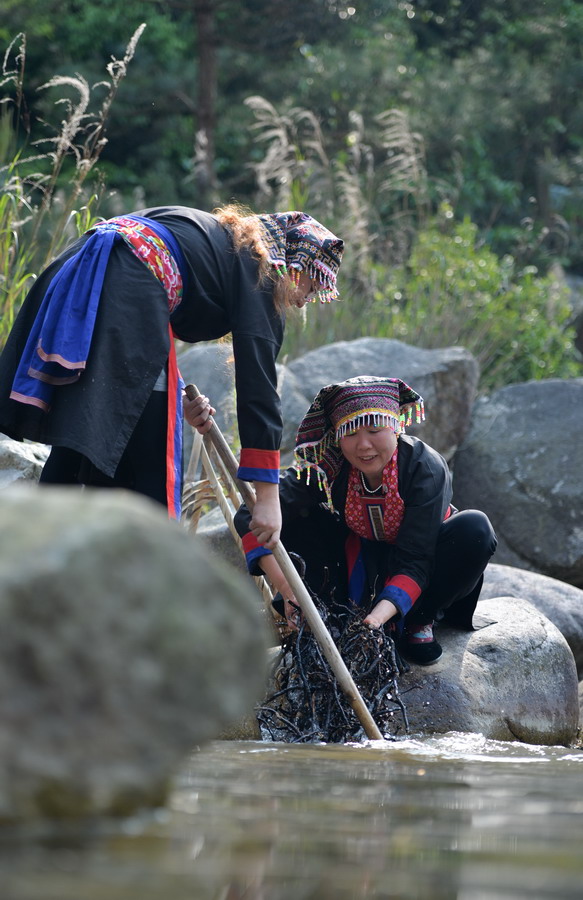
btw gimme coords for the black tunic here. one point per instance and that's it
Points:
(97, 414)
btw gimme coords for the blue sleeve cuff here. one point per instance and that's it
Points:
(398, 596)
(252, 560)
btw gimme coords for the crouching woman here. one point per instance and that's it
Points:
(368, 509)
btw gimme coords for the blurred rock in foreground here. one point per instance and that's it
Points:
(122, 646)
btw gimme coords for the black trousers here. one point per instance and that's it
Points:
(142, 467)
(465, 544)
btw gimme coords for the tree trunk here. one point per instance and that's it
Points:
(204, 145)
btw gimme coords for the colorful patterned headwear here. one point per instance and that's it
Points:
(297, 243)
(340, 409)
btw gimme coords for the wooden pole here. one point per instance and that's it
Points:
(306, 603)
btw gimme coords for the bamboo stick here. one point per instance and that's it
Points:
(306, 603)
(228, 515)
(211, 488)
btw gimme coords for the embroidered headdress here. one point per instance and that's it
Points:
(298, 243)
(340, 409)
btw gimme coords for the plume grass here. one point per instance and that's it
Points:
(46, 196)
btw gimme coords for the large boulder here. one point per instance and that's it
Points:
(211, 368)
(558, 601)
(521, 463)
(123, 644)
(20, 461)
(446, 379)
(514, 678)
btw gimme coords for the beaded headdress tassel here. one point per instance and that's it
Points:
(298, 243)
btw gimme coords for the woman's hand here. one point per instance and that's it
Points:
(198, 413)
(382, 612)
(265, 523)
(280, 584)
(292, 610)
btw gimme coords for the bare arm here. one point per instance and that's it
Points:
(265, 522)
(382, 612)
(279, 583)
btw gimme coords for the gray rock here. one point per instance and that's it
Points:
(558, 601)
(214, 533)
(513, 679)
(123, 644)
(446, 378)
(20, 461)
(294, 405)
(521, 464)
(211, 368)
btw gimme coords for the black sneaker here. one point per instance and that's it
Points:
(420, 646)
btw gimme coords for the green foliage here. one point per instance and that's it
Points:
(375, 185)
(492, 88)
(479, 106)
(502, 118)
(15, 259)
(431, 283)
(456, 291)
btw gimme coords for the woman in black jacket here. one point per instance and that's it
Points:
(90, 368)
(369, 510)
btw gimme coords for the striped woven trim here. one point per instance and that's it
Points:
(259, 465)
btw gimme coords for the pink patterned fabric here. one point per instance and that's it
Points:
(298, 243)
(152, 250)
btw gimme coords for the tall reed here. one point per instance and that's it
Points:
(46, 194)
(409, 272)
(374, 194)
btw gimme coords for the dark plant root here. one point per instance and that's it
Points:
(308, 706)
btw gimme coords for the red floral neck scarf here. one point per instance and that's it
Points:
(375, 516)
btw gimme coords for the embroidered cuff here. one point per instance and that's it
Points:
(259, 465)
(402, 591)
(253, 551)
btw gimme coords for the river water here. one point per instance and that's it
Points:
(451, 817)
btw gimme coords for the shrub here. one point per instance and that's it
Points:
(455, 291)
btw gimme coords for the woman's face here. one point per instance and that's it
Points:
(369, 449)
(303, 290)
